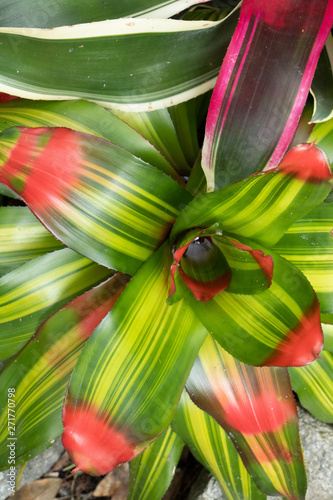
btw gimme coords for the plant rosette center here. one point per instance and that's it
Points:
(207, 262)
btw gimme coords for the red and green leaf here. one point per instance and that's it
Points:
(22, 238)
(33, 291)
(247, 101)
(278, 327)
(127, 382)
(86, 117)
(257, 409)
(94, 196)
(40, 373)
(314, 386)
(263, 206)
(152, 472)
(322, 134)
(208, 263)
(308, 244)
(212, 446)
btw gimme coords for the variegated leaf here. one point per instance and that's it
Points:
(22, 238)
(257, 409)
(253, 113)
(308, 244)
(39, 374)
(314, 386)
(152, 472)
(76, 62)
(127, 382)
(32, 292)
(96, 197)
(212, 446)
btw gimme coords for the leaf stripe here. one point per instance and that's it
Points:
(30, 293)
(259, 208)
(314, 387)
(210, 444)
(138, 348)
(106, 204)
(41, 370)
(152, 471)
(308, 244)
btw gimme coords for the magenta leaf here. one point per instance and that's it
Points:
(255, 107)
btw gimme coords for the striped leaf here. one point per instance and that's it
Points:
(31, 13)
(257, 409)
(127, 382)
(308, 244)
(22, 238)
(322, 86)
(85, 117)
(263, 206)
(278, 327)
(158, 129)
(152, 471)
(211, 446)
(33, 291)
(40, 373)
(94, 196)
(314, 386)
(235, 145)
(74, 62)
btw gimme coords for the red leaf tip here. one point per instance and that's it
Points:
(303, 344)
(307, 162)
(94, 446)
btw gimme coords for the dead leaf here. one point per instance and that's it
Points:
(115, 484)
(43, 489)
(63, 461)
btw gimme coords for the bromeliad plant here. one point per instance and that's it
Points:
(180, 299)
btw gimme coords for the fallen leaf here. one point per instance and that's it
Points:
(115, 484)
(43, 489)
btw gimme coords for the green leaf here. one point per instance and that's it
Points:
(94, 196)
(31, 13)
(127, 382)
(77, 62)
(255, 107)
(264, 205)
(308, 244)
(39, 374)
(323, 135)
(152, 471)
(186, 121)
(158, 129)
(322, 86)
(85, 117)
(22, 238)
(33, 291)
(328, 335)
(5, 191)
(314, 386)
(211, 446)
(278, 327)
(256, 407)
